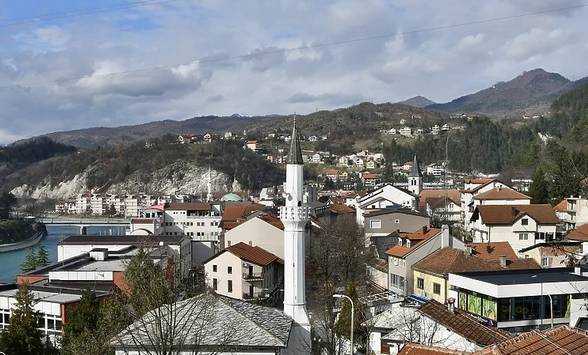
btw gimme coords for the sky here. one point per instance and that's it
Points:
(71, 64)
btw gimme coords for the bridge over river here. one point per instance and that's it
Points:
(84, 223)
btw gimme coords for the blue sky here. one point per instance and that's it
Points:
(130, 64)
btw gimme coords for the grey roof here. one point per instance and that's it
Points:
(210, 321)
(416, 170)
(295, 155)
(521, 277)
(121, 239)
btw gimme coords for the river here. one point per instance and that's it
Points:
(10, 261)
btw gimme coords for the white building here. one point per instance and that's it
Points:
(385, 196)
(405, 131)
(520, 225)
(197, 220)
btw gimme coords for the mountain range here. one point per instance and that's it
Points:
(532, 92)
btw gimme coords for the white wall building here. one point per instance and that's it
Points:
(385, 196)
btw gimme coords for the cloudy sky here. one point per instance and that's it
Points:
(68, 64)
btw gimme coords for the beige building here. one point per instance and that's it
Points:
(380, 222)
(555, 254)
(244, 272)
(262, 230)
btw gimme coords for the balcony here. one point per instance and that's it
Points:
(254, 277)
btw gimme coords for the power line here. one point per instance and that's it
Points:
(204, 60)
(80, 13)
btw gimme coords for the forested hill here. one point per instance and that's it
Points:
(103, 167)
(20, 155)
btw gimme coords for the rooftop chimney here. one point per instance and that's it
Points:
(503, 260)
(578, 270)
(451, 304)
(425, 228)
(446, 240)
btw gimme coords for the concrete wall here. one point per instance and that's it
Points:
(223, 261)
(427, 291)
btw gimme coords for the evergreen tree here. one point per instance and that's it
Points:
(30, 262)
(22, 335)
(539, 190)
(7, 201)
(343, 325)
(83, 321)
(42, 258)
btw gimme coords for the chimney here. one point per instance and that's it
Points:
(469, 250)
(425, 228)
(446, 240)
(578, 270)
(451, 304)
(503, 260)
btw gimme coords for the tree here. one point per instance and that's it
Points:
(82, 321)
(539, 191)
(22, 335)
(343, 325)
(42, 257)
(30, 262)
(7, 202)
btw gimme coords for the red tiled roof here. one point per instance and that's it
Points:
(340, 208)
(142, 220)
(452, 194)
(493, 250)
(255, 255)
(579, 233)
(398, 251)
(556, 341)
(562, 206)
(421, 234)
(447, 260)
(479, 181)
(191, 206)
(508, 214)
(271, 219)
(463, 324)
(419, 349)
(235, 213)
(501, 193)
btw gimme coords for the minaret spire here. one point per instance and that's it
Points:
(295, 155)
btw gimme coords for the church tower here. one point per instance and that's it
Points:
(415, 180)
(294, 216)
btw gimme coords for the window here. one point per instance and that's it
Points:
(540, 235)
(376, 224)
(545, 261)
(214, 284)
(525, 221)
(420, 283)
(214, 268)
(436, 288)
(229, 286)
(523, 236)
(229, 269)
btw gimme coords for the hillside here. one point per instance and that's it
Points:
(163, 167)
(533, 90)
(418, 101)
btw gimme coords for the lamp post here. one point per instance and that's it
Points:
(352, 315)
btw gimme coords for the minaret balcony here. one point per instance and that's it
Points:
(294, 213)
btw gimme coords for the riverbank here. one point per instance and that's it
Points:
(23, 244)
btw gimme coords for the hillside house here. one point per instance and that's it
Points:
(384, 221)
(383, 197)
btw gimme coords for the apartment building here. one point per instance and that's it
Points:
(198, 220)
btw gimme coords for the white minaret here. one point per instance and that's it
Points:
(294, 216)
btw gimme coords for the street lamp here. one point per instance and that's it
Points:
(352, 315)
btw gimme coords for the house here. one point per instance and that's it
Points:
(579, 234)
(232, 327)
(405, 325)
(252, 145)
(405, 131)
(498, 193)
(144, 226)
(382, 197)
(412, 248)
(573, 212)
(520, 225)
(209, 137)
(444, 209)
(197, 220)
(551, 341)
(243, 271)
(187, 138)
(430, 274)
(384, 221)
(259, 230)
(435, 130)
(370, 179)
(435, 170)
(519, 300)
(554, 254)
